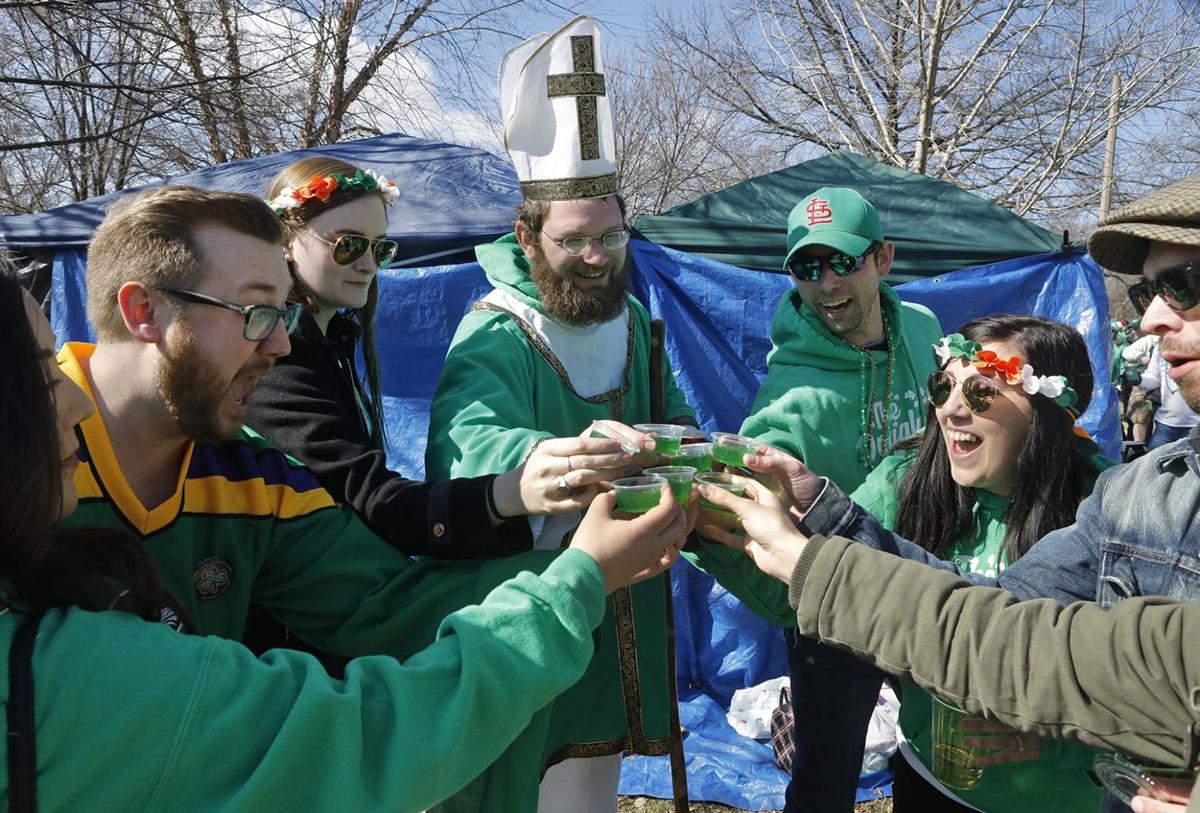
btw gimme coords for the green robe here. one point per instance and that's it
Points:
(1058, 780)
(503, 389)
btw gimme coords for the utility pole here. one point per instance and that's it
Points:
(1110, 150)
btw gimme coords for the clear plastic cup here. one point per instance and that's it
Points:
(629, 443)
(1124, 778)
(667, 436)
(680, 478)
(731, 450)
(637, 495)
(732, 483)
(955, 764)
(696, 455)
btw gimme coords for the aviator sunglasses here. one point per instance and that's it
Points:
(257, 320)
(349, 247)
(979, 392)
(1179, 286)
(808, 269)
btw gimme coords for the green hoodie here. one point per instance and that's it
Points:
(810, 405)
(1057, 780)
(812, 401)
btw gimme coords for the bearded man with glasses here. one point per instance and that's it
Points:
(557, 345)
(845, 381)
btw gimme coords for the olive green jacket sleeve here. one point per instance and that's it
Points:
(1124, 680)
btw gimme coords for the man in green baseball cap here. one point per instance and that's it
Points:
(845, 381)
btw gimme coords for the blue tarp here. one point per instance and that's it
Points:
(451, 197)
(718, 320)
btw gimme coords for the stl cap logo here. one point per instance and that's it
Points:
(818, 212)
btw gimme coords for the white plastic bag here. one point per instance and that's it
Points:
(881, 733)
(750, 709)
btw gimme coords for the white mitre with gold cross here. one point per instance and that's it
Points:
(558, 125)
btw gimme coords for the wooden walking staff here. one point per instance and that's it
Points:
(658, 408)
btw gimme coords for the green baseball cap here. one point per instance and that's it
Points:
(836, 217)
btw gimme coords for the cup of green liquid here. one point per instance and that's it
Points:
(667, 436)
(680, 478)
(731, 450)
(637, 495)
(732, 483)
(955, 764)
(696, 455)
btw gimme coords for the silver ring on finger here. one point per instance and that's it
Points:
(563, 488)
(1020, 742)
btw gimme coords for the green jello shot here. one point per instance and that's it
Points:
(696, 455)
(731, 450)
(637, 495)
(667, 436)
(730, 482)
(680, 478)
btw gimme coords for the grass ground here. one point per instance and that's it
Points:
(643, 804)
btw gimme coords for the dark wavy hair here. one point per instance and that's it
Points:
(96, 569)
(298, 173)
(936, 512)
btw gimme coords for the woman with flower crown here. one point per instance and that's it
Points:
(1005, 467)
(314, 406)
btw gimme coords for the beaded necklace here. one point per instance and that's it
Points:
(866, 367)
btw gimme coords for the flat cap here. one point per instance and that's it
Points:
(1170, 215)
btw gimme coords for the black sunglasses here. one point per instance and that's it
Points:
(808, 269)
(979, 392)
(349, 247)
(258, 320)
(1179, 286)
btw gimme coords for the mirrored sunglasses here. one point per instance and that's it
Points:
(808, 269)
(979, 392)
(347, 248)
(1179, 286)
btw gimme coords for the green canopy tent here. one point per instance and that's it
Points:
(936, 226)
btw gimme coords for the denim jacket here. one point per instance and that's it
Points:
(1138, 534)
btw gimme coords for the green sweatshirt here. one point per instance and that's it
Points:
(1055, 782)
(812, 400)
(132, 715)
(1060, 672)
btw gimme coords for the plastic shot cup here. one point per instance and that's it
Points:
(1124, 778)
(667, 436)
(637, 495)
(680, 478)
(732, 483)
(629, 444)
(696, 455)
(731, 450)
(955, 764)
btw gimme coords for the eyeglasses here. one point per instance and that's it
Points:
(979, 392)
(259, 320)
(349, 247)
(576, 246)
(1179, 286)
(808, 269)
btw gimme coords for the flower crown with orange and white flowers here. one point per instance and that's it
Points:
(321, 187)
(1015, 371)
